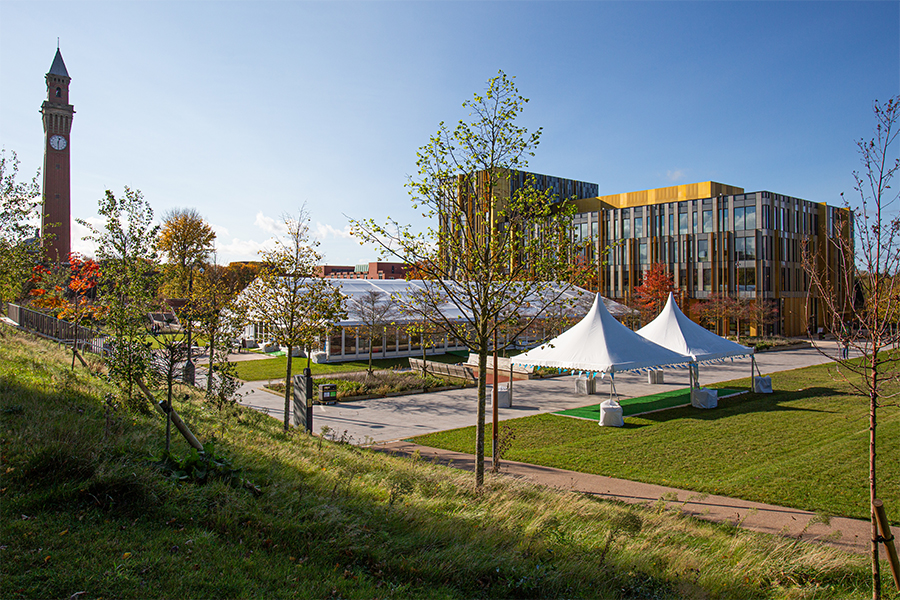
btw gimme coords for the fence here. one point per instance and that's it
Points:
(443, 369)
(55, 329)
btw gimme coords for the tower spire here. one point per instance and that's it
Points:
(57, 115)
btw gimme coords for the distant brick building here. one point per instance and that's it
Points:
(372, 270)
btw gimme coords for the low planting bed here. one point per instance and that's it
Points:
(357, 386)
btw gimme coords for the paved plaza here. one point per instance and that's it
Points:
(379, 420)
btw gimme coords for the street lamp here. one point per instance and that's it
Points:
(189, 368)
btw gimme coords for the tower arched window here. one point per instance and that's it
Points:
(59, 92)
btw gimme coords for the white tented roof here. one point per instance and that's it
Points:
(599, 343)
(672, 329)
(400, 290)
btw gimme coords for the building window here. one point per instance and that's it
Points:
(702, 250)
(638, 227)
(59, 92)
(750, 217)
(745, 248)
(642, 253)
(694, 230)
(723, 219)
(671, 223)
(707, 280)
(683, 223)
(747, 279)
(626, 228)
(707, 221)
(739, 218)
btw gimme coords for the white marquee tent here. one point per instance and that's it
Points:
(672, 329)
(600, 344)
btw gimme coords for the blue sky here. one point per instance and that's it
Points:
(246, 110)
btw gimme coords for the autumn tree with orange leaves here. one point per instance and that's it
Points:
(650, 297)
(54, 286)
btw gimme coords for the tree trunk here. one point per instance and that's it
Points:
(873, 405)
(479, 426)
(287, 390)
(209, 366)
(75, 343)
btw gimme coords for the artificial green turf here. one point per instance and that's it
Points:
(641, 404)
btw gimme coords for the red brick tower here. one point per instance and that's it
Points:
(57, 115)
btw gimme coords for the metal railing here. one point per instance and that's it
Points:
(55, 329)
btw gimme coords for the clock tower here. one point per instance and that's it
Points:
(56, 218)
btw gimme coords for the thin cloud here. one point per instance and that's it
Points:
(324, 231)
(270, 225)
(676, 175)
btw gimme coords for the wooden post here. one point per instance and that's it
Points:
(888, 539)
(495, 418)
(179, 424)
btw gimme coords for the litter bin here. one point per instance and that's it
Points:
(327, 393)
(504, 398)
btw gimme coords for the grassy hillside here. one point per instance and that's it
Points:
(85, 510)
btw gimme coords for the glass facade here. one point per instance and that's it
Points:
(741, 245)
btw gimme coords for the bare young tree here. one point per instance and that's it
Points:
(374, 310)
(858, 288)
(496, 245)
(289, 297)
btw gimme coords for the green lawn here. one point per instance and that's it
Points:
(274, 368)
(804, 446)
(85, 510)
(642, 404)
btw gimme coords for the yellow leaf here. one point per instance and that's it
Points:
(126, 555)
(64, 532)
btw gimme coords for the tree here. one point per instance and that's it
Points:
(126, 248)
(425, 323)
(238, 275)
(185, 240)
(20, 245)
(289, 297)
(212, 297)
(374, 310)
(875, 226)
(652, 294)
(495, 243)
(763, 312)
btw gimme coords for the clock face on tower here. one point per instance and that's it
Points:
(58, 142)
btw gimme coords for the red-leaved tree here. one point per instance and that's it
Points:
(650, 297)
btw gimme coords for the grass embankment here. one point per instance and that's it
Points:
(805, 446)
(274, 368)
(85, 512)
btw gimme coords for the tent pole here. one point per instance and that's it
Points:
(753, 368)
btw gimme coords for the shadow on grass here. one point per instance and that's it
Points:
(744, 404)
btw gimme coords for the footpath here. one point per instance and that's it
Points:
(850, 535)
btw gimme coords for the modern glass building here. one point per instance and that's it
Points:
(715, 239)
